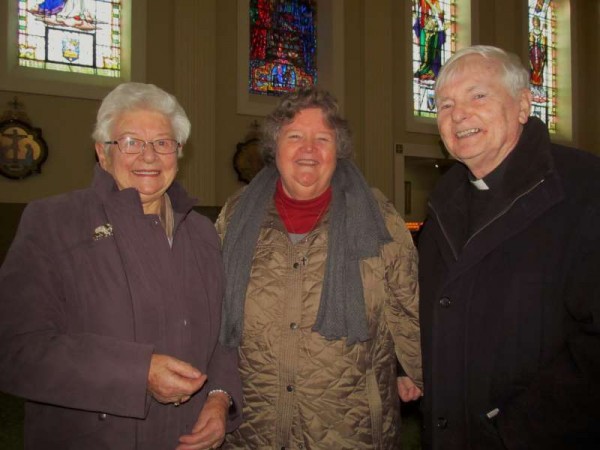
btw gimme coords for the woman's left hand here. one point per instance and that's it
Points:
(209, 431)
(408, 390)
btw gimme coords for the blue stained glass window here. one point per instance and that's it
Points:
(434, 41)
(542, 60)
(81, 36)
(283, 46)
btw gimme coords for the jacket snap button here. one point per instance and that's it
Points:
(102, 416)
(290, 388)
(442, 423)
(294, 326)
(445, 302)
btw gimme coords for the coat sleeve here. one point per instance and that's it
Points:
(41, 357)
(402, 305)
(228, 356)
(223, 371)
(223, 374)
(226, 212)
(562, 401)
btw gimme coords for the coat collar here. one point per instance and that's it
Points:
(529, 186)
(128, 199)
(146, 260)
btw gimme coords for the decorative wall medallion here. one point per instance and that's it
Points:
(247, 160)
(22, 148)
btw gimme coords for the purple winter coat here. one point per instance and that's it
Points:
(83, 305)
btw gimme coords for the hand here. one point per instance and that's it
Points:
(171, 380)
(209, 431)
(407, 389)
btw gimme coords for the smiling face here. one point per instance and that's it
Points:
(306, 155)
(148, 172)
(479, 120)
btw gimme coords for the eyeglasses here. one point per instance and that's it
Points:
(133, 146)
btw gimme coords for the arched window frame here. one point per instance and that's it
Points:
(330, 57)
(51, 82)
(566, 63)
(433, 24)
(564, 67)
(542, 57)
(293, 63)
(463, 38)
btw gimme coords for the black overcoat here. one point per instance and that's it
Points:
(510, 311)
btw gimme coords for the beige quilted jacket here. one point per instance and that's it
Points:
(302, 391)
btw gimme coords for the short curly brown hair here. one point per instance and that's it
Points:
(290, 105)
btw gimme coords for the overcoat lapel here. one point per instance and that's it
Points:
(512, 222)
(141, 263)
(531, 187)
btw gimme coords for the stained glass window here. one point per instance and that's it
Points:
(81, 36)
(542, 60)
(434, 41)
(283, 45)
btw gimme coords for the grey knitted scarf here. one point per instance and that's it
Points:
(356, 231)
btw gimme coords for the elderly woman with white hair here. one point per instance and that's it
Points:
(111, 298)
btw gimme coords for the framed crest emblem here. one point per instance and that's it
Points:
(22, 149)
(247, 160)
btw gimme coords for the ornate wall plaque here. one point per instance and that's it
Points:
(22, 148)
(247, 160)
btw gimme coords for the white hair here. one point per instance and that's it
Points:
(514, 75)
(131, 96)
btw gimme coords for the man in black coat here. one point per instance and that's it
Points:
(509, 272)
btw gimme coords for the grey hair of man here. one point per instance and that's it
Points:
(129, 97)
(290, 105)
(514, 75)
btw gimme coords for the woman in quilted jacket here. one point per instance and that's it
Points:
(322, 295)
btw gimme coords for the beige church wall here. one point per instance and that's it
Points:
(235, 113)
(66, 120)
(354, 96)
(66, 125)
(160, 44)
(498, 22)
(197, 61)
(501, 23)
(232, 127)
(586, 49)
(379, 107)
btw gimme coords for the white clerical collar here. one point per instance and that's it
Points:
(480, 184)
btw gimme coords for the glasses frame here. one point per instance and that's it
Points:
(116, 142)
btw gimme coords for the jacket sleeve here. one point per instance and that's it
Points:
(223, 371)
(562, 402)
(402, 305)
(223, 374)
(41, 357)
(226, 212)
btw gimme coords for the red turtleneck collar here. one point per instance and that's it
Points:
(300, 216)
